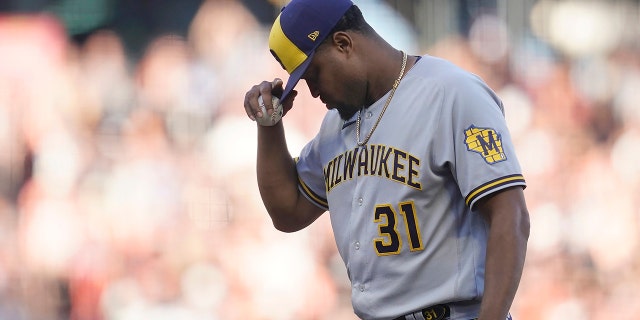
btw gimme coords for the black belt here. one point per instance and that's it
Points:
(437, 312)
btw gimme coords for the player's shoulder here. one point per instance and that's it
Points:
(442, 71)
(438, 77)
(450, 78)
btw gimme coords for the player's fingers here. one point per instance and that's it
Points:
(278, 90)
(287, 104)
(267, 93)
(277, 87)
(251, 104)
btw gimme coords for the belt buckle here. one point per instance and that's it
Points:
(437, 312)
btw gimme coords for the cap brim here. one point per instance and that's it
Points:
(295, 76)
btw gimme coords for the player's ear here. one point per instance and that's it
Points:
(342, 40)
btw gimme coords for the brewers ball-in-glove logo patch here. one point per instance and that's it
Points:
(485, 141)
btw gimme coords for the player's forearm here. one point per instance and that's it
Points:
(505, 260)
(277, 178)
(506, 250)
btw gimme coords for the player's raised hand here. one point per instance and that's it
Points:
(267, 90)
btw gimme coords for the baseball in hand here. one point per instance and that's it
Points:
(266, 119)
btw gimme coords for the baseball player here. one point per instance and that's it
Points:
(413, 161)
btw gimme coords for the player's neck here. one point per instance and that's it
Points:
(385, 75)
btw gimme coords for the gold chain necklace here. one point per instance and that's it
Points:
(375, 125)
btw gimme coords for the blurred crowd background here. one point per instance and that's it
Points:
(127, 164)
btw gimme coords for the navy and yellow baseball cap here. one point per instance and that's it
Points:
(298, 31)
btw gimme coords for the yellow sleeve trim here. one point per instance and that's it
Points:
(516, 179)
(312, 196)
(319, 201)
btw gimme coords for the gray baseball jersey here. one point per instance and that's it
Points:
(401, 205)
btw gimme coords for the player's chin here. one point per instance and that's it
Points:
(346, 113)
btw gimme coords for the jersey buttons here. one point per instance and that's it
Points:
(360, 201)
(357, 245)
(369, 114)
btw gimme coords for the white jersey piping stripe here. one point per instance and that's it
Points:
(516, 179)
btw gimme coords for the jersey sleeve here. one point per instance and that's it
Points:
(311, 181)
(476, 142)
